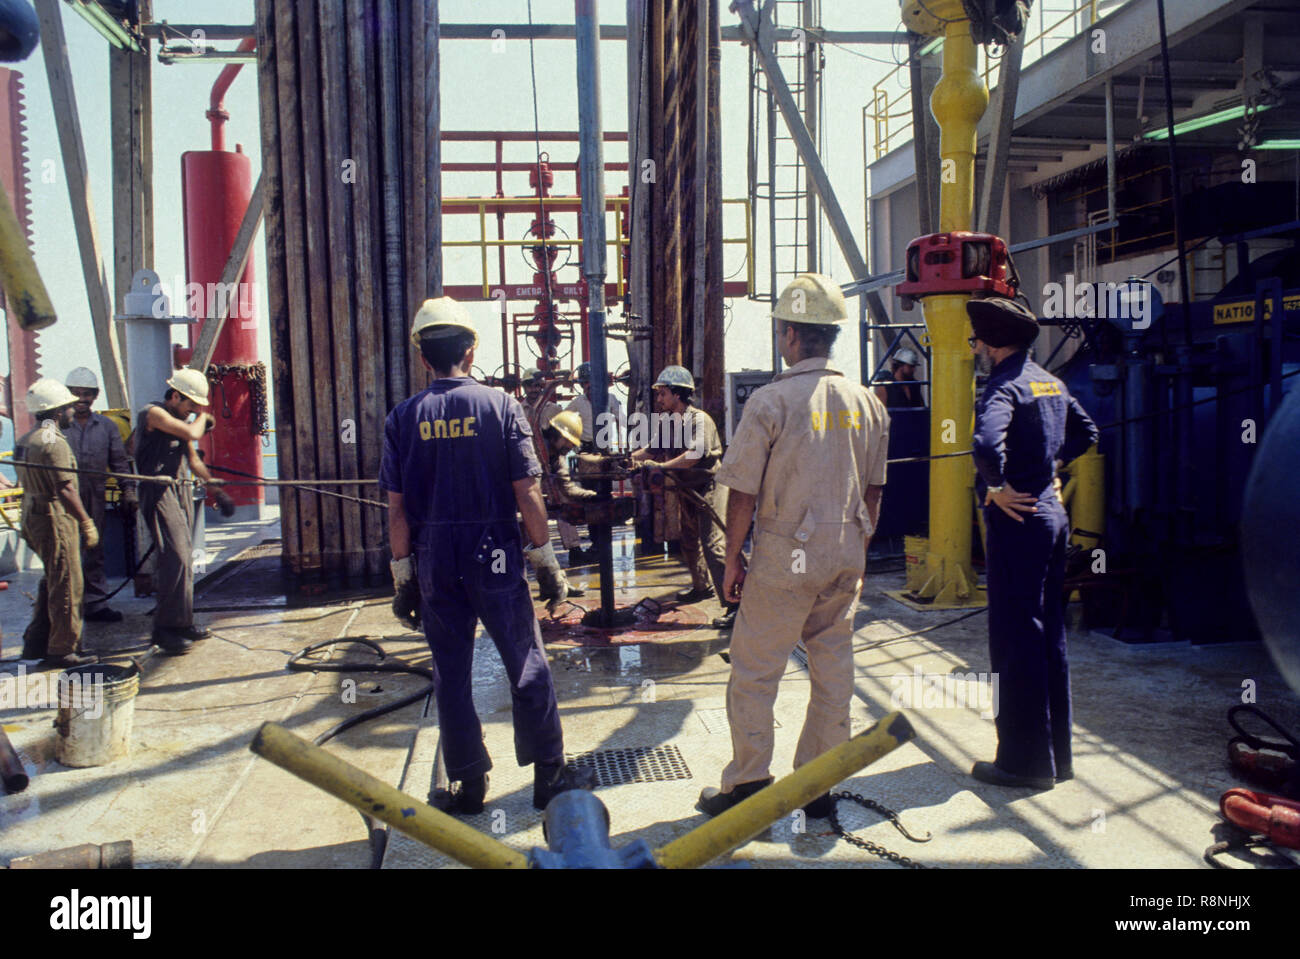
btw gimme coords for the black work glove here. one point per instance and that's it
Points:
(224, 503)
(553, 584)
(406, 601)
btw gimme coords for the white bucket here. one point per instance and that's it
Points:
(96, 711)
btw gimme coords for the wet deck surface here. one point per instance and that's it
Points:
(1150, 734)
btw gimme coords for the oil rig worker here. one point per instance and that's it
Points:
(901, 391)
(695, 463)
(164, 440)
(1025, 422)
(808, 458)
(54, 523)
(562, 434)
(459, 461)
(97, 445)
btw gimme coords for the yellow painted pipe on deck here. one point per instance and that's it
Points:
(26, 298)
(379, 800)
(959, 100)
(1087, 499)
(747, 819)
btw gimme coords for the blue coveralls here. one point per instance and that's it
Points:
(453, 452)
(1025, 421)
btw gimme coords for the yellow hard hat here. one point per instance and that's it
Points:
(812, 298)
(569, 425)
(191, 384)
(48, 394)
(441, 317)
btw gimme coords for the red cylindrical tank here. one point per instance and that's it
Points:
(216, 185)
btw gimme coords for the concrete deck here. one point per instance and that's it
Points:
(1150, 736)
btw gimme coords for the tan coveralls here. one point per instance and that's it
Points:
(807, 447)
(54, 535)
(704, 546)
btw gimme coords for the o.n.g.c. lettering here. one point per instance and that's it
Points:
(447, 429)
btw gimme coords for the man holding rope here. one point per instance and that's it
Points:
(54, 522)
(164, 438)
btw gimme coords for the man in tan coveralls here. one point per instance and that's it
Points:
(809, 455)
(54, 521)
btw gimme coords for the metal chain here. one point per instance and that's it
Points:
(867, 844)
(258, 405)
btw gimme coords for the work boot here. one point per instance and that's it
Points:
(694, 595)
(171, 641)
(34, 651)
(715, 801)
(69, 660)
(551, 779)
(728, 618)
(990, 773)
(104, 615)
(194, 632)
(465, 797)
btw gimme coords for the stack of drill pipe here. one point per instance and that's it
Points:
(111, 855)
(348, 95)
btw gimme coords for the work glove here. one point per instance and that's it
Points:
(209, 423)
(224, 503)
(553, 584)
(89, 535)
(406, 600)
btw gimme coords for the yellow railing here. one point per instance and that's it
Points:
(888, 106)
(613, 204)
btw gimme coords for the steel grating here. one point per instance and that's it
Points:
(640, 764)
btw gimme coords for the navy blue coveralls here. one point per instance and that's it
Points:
(1025, 421)
(453, 452)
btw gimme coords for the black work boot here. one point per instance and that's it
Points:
(551, 779)
(996, 776)
(714, 801)
(728, 618)
(694, 595)
(171, 641)
(193, 632)
(465, 797)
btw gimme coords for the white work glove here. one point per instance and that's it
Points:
(406, 600)
(553, 584)
(89, 535)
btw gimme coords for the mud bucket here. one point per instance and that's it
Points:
(915, 549)
(96, 711)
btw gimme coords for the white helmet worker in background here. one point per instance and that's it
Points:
(54, 522)
(97, 444)
(901, 391)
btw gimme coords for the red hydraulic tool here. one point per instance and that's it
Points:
(1276, 818)
(957, 262)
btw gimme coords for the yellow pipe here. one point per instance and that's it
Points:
(378, 799)
(1088, 498)
(959, 100)
(747, 819)
(26, 298)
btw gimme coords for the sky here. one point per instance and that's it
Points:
(483, 86)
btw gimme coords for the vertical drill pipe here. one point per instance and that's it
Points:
(714, 362)
(699, 119)
(668, 312)
(432, 150)
(391, 139)
(381, 801)
(592, 164)
(811, 73)
(689, 65)
(639, 150)
(1174, 178)
(12, 772)
(959, 100)
(747, 819)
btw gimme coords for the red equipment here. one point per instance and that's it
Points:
(1276, 818)
(216, 186)
(957, 262)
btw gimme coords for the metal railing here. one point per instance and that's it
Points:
(613, 204)
(891, 95)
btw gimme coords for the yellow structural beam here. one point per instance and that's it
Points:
(381, 801)
(959, 100)
(747, 819)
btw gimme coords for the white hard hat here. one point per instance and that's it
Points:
(48, 394)
(441, 317)
(82, 379)
(812, 298)
(908, 356)
(191, 384)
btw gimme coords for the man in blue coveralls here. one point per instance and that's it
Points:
(1026, 422)
(458, 463)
